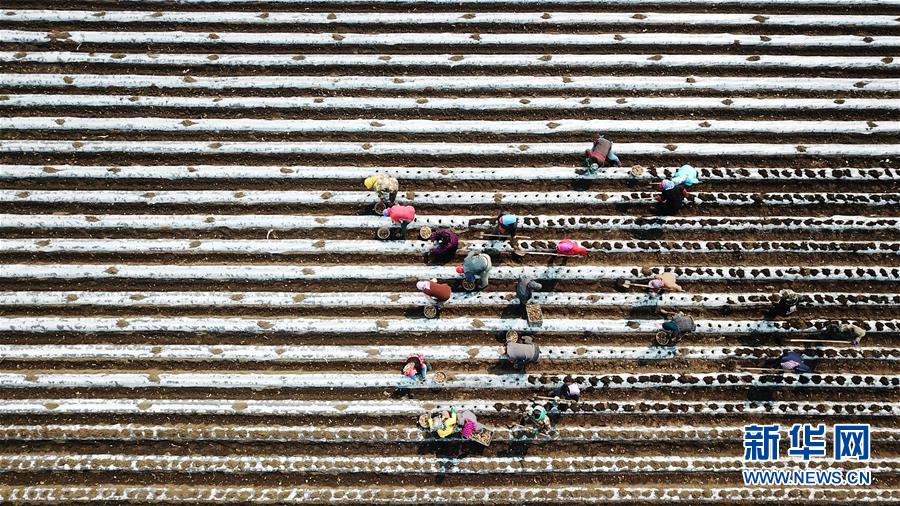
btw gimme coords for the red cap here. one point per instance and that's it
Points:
(459, 269)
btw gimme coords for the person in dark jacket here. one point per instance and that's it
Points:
(446, 242)
(787, 303)
(671, 197)
(525, 290)
(792, 362)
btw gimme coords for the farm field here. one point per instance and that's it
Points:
(195, 306)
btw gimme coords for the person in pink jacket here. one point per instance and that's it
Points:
(569, 247)
(403, 215)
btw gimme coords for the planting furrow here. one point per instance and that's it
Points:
(483, 222)
(767, 3)
(295, 172)
(376, 247)
(453, 83)
(450, 61)
(637, 104)
(299, 326)
(450, 18)
(570, 150)
(449, 38)
(463, 299)
(413, 408)
(368, 434)
(337, 198)
(223, 272)
(388, 353)
(593, 494)
(416, 126)
(321, 380)
(50, 462)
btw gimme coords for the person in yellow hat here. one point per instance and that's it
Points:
(385, 187)
(444, 424)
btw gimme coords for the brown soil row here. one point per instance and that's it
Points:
(539, 48)
(365, 285)
(462, 137)
(375, 6)
(559, 369)
(550, 234)
(573, 92)
(550, 312)
(333, 112)
(543, 28)
(713, 259)
(635, 209)
(662, 395)
(211, 69)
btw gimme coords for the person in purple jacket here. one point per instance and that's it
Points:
(446, 242)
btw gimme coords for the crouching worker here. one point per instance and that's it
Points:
(845, 331)
(570, 248)
(469, 424)
(525, 290)
(600, 155)
(476, 266)
(791, 362)
(676, 327)
(522, 352)
(385, 187)
(787, 302)
(445, 243)
(402, 215)
(568, 391)
(538, 419)
(416, 367)
(685, 175)
(439, 292)
(671, 196)
(443, 424)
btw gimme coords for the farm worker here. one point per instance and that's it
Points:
(665, 281)
(404, 215)
(671, 196)
(476, 265)
(525, 289)
(469, 424)
(539, 417)
(507, 224)
(444, 424)
(600, 155)
(678, 325)
(446, 242)
(568, 391)
(685, 175)
(385, 187)
(522, 353)
(569, 247)
(787, 302)
(849, 331)
(439, 292)
(416, 367)
(793, 361)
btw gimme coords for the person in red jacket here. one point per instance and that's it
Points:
(439, 292)
(570, 248)
(403, 215)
